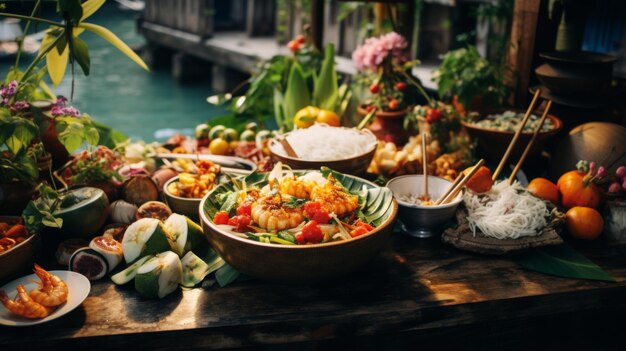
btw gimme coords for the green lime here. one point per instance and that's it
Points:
(217, 131)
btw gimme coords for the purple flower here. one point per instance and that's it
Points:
(615, 187)
(8, 91)
(65, 111)
(61, 101)
(19, 106)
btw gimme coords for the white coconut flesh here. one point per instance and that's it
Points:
(130, 272)
(159, 276)
(176, 226)
(144, 237)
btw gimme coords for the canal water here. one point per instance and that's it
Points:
(147, 106)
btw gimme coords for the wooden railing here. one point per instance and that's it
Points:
(192, 16)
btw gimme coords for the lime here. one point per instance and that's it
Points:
(216, 132)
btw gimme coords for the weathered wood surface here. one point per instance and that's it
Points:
(415, 293)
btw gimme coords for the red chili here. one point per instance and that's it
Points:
(221, 218)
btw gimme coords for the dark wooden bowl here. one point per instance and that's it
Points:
(297, 264)
(492, 144)
(355, 165)
(19, 259)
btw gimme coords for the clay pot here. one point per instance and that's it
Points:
(388, 126)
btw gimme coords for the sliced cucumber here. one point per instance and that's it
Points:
(130, 272)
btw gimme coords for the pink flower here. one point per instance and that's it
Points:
(615, 187)
(19, 106)
(376, 50)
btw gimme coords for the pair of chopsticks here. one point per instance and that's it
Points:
(517, 135)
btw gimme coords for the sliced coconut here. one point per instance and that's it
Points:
(110, 248)
(144, 237)
(159, 276)
(130, 272)
(195, 269)
(185, 234)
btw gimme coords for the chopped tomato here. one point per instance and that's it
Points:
(314, 211)
(312, 233)
(360, 229)
(245, 209)
(300, 238)
(221, 217)
(240, 222)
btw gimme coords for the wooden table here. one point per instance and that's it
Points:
(418, 293)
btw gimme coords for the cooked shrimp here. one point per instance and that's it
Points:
(52, 290)
(269, 213)
(23, 305)
(333, 198)
(296, 187)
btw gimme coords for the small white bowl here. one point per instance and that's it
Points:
(423, 221)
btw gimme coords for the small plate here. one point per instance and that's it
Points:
(78, 285)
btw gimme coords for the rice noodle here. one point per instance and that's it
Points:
(321, 142)
(506, 212)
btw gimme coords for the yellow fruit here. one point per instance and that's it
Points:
(328, 117)
(306, 117)
(219, 146)
(545, 189)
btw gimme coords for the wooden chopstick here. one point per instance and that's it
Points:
(530, 144)
(458, 179)
(516, 136)
(290, 151)
(461, 184)
(425, 166)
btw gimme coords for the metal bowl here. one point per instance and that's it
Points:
(423, 221)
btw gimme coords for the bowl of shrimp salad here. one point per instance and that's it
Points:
(298, 227)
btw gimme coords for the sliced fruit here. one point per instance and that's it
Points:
(140, 189)
(202, 131)
(115, 231)
(153, 209)
(83, 211)
(89, 263)
(129, 272)
(230, 135)
(144, 237)
(123, 212)
(481, 181)
(67, 248)
(247, 135)
(194, 270)
(185, 234)
(159, 276)
(216, 132)
(109, 248)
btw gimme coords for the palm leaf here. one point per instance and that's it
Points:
(562, 261)
(297, 95)
(325, 91)
(115, 41)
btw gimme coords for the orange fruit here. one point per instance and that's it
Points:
(574, 191)
(584, 222)
(480, 181)
(544, 189)
(306, 116)
(328, 117)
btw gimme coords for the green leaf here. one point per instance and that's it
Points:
(294, 202)
(115, 41)
(90, 7)
(108, 136)
(279, 111)
(297, 94)
(325, 93)
(81, 54)
(562, 261)
(226, 275)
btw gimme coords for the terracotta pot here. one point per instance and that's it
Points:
(388, 126)
(50, 140)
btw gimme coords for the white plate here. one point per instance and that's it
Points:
(78, 286)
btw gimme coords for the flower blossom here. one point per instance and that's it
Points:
(60, 108)
(7, 92)
(19, 106)
(376, 50)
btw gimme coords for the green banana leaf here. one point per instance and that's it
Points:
(325, 91)
(297, 94)
(562, 261)
(376, 201)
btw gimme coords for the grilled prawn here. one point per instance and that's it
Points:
(296, 187)
(334, 198)
(270, 213)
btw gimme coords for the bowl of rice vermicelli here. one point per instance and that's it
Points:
(298, 227)
(420, 217)
(345, 150)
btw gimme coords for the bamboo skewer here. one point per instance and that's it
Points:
(516, 136)
(530, 144)
(290, 151)
(425, 166)
(456, 182)
(462, 183)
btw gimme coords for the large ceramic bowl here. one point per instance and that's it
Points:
(493, 143)
(19, 259)
(300, 264)
(423, 221)
(355, 165)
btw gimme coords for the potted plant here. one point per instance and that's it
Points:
(470, 80)
(383, 66)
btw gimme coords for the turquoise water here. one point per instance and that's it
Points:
(142, 105)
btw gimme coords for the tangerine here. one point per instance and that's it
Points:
(584, 222)
(544, 189)
(481, 181)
